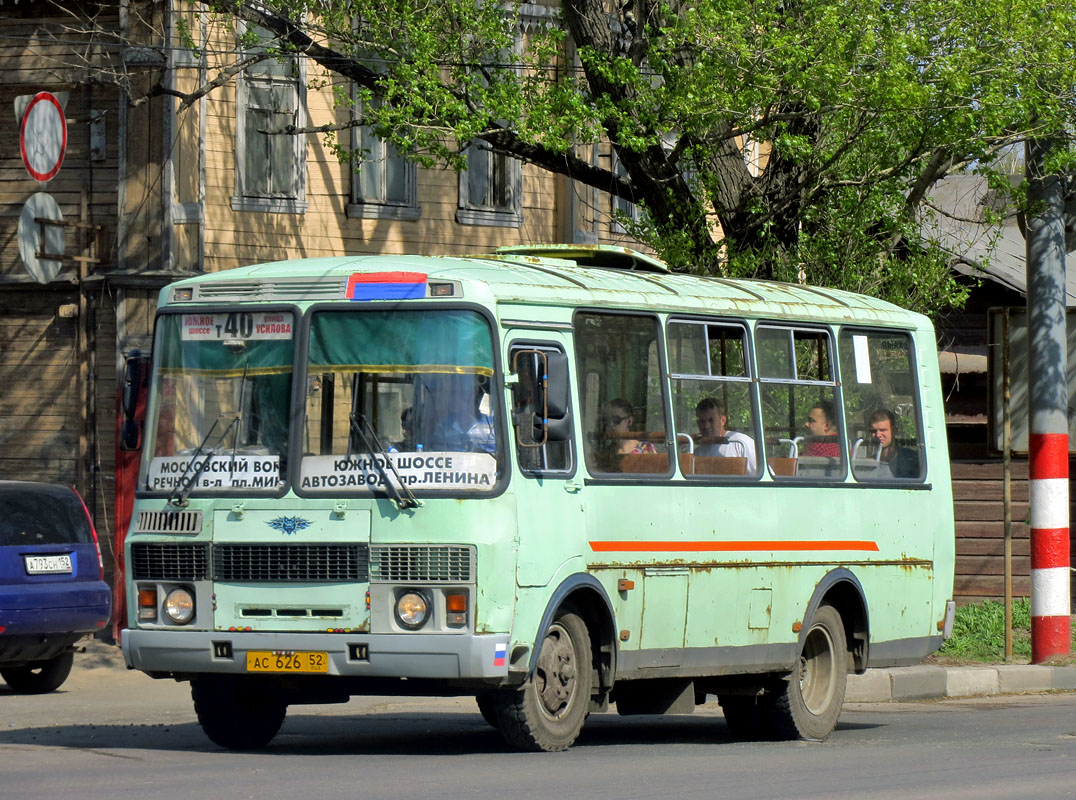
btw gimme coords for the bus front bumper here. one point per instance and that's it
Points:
(417, 655)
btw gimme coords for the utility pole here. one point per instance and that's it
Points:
(1048, 445)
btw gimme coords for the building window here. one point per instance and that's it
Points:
(490, 188)
(623, 211)
(383, 183)
(270, 167)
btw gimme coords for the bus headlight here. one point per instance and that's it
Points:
(179, 606)
(412, 610)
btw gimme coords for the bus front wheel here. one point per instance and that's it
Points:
(237, 713)
(548, 711)
(808, 702)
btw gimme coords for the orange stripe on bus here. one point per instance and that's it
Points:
(770, 546)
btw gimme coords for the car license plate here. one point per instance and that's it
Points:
(48, 565)
(282, 661)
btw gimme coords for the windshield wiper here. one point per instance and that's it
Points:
(178, 497)
(403, 497)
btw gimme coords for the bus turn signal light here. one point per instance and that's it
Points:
(147, 604)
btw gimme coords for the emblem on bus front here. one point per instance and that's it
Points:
(289, 525)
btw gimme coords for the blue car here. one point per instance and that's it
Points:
(52, 587)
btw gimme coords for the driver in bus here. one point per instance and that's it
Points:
(465, 424)
(711, 417)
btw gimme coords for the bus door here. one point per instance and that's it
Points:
(548, 497)
(636, 523)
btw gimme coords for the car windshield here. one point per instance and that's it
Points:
(35, 513)
(223, 391)
(411, 388)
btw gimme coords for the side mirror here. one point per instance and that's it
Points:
(131, 429)
(555, 385)
(549, 400)
(132, 384)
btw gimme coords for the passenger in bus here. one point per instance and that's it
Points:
(618, 421)
(903, 462)
(822, 426)
(711, 418)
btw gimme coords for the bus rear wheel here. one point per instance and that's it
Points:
(237, 713)
(548, 711)
(808, 702)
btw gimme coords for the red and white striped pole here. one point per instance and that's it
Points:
(1050, 598)
(1048, 444)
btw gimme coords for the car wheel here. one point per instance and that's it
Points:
(40, 677)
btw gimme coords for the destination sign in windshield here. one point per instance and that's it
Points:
(237, 325)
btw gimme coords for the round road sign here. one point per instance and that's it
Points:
(35, 238)
(43, 136)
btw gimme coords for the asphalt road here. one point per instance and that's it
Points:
(109, 733)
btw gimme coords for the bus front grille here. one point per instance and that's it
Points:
(418, 563)
(290, 563)
(176, 562)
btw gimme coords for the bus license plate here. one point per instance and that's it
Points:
(48, 565)
(266, 661)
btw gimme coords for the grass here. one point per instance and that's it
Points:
(979, 632)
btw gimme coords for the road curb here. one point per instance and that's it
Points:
(931, 682)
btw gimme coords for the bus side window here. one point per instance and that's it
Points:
(881, 405)
(713, 400)
(539, 450)
(622, 402)
(800, 403)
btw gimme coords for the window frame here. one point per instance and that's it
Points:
(596, 477)
(573, 459)
(792, 327)
(913, 366)
(243, 197)
(750, 379)
(362, 207)
(501, 427)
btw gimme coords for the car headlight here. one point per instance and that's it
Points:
(179, 606)
(412, 610)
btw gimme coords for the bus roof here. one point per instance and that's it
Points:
(553, 275)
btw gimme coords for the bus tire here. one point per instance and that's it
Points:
(237, 713)
(744, 717)
(487, 707)
(807, 703)
(548, 711)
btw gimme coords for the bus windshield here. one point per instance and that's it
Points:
(223, 388)
(408, 390)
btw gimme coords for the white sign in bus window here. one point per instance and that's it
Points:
(239, 325)
(219, 472)
(863, 359)
(429, 470)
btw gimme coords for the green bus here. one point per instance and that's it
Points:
(553, 477)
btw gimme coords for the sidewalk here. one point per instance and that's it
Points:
(931, 682)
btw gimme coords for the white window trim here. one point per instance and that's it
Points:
(360, 207)
(272, 205)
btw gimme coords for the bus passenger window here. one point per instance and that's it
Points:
(881, 405)
(536, 450)
(713, 403)
(800, 406)
(622, 402)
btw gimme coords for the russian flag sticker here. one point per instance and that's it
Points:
(386, 286)
(500, 654)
